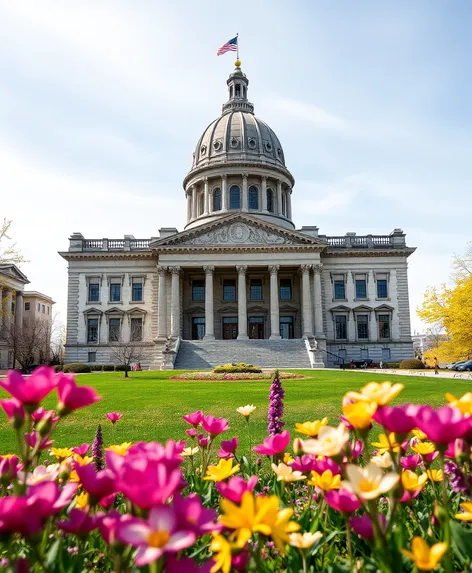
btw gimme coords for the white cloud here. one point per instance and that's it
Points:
(307, 112)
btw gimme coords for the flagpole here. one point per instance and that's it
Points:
(237, 46)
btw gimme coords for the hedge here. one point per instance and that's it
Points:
(239, 367)
(120, 367)
(96, 367)
(411, 364)
(77, 367)
(108, 367)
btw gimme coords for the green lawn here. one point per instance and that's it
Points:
(152, 405)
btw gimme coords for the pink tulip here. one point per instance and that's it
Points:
(342, 500)
(38, 414)
(274, 445)
(236, 487)
(363, 525)
(187, 565)
(81, 450)
(46, 499)
(320, 466)
(80, 523)
(408, 496)
(429, 458)
(230, 445)
(214, 426)
(32, 438)
(14, 411)
(192, 432)
(304, 464)
(8, 469)
(16, 517)
(443, 425)
(194, 419)
(411, 462)
(346, 422)
(161, 523)
(97, 484)
(30, 391)
(113, 417)
(398, 419)
(72, 397)
(456, 449)
(203, 440)
(192, 516)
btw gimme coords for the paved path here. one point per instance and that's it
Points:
(428, 373)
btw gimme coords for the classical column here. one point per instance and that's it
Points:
(317, 300)
(19, 306)
(175, 302)
(188, 196)
(7, 317)
(264, 194)
(306, 301)
(194, 201)
(224, 192)
(244, 202)
(209, 316)
(2, 309)
(161, 304)
(274, 303)
(206, 197)
(242, 302)
(279, 197)
(289, 203)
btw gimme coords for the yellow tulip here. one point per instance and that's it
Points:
(120, 449)
(424, 448)
(325, 481)
(286, 474)
(466, 515)
(369, 482)
(411, 481)
(464, 403)
(221, 547)
(304, 540)
(419, 434)
(311, 429)
(83, 461)
(435, 475)
(380, 393)
(222, 471)
(425, 557)
(387, 443)
(62, 453)
(82, 500)
(288, 459)
(359, 414)
(330, 441)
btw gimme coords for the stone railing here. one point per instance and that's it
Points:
(395, 240)
(78, 243)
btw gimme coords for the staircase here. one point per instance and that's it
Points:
(202, 355)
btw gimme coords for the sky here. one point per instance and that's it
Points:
(102, 104)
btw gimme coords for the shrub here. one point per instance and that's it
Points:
(77, 367)
(411, 364)
(58, 367)
(392, 365)
(237, 368)
(120, 367)
(108, 367)
(96, 367)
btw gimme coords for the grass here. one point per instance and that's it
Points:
(152, 405)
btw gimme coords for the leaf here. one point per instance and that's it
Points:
(51, 555)
(462, 540)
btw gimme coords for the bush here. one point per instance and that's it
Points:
(58, 367)
(120, 367)
(392, 365)
(108, 367)
(411, 364)
(77, 367)
(96, 367)
(239, 367)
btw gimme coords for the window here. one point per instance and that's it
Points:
(27, 306)
(363, 327)
(234, 197)
(384, 325)
(339, 289)
(39, 307)
(382, 288)
(43, 309)
(115, 292)
(48, 309)
(201, 205)
(137, 290)
(270, 200)
(229, 290)
(253, 197)
(92, 330)
(361, 288)
(92, 356)
(136, 329)
(255, 289)
(386, 354)
(94, 292)
(284, 204)
(198, 327)
(286, 326)
(285, 289)
(341, 327)
(217, 199)
(198, 290)
(114, 329)
(364, 354)
(238, 90)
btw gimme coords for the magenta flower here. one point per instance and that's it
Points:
(8, 469)
(342, 500)
(17, 517)
(30, 391)
(187, 565)
(408, 496)
(79, 522)
(155, 536)
(304, 464)
(14, 411)
(81, 450)
(443, 425)
(194, 419)
(203, 440)
(275, 411)
(398, 419)
(363, 525)
(46, 499)
(214, 426)
(274, 445)
(411, 462)
(320, 466)
(429, 458)
(228, 447)
(38, 414)
(192, 516)
(357, 447)
(456, 449)
(113, 417)
(32, 438)
(97, 484)
(192, 432)
(235, 487)
(72, 397)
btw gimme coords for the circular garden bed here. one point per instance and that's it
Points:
(264, 375)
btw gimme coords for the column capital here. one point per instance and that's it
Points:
(274, 269)
(175, 270)
(224, 176)
(241, 269)
(162, 270)
(205, 180)
(209, 269)
(305, 269)
(245, 175)
(264, 177)
(317, 269)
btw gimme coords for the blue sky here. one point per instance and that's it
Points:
(102, 104)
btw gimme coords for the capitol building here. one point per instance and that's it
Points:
(239, 282)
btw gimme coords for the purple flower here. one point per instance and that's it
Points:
(97, 449)
(304, 464)
(276, 406)
(410, 462)
(342, 500)
(443, 425)
(363, 525)
(235, 487)
(398, 419)
(192, 516)
(320, 466)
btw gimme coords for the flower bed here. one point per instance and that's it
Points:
(322, 503)
(264, 375)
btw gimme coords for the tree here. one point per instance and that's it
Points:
(30, 344)
(9, 254)
(127, 353)
(462, 266)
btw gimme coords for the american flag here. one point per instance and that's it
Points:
(230, 46)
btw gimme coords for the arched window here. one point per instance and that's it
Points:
(217, 199)
(284, 204)
(270, 200)
(200, 204)
(253, 197)
(234, 197)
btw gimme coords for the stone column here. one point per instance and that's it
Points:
(2, 309)
(7, 317)
(274, 303)
(244, 202)
(19, 307)
(206, 197)
(175, 302)
(317, 300)
(289, 203)
(188, 196)
(224, 192)
(161, 304)
(242, 303)
(194, 201)
(279, 197)
(209, 314)
(306, 301)
(264, 194)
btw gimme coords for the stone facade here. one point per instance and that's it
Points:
(239, 270)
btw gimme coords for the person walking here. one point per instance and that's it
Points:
(436, 366)
(381, 365)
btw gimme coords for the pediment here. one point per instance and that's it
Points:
(235, 231)
(384, 308)
(114, 310)
(362, 308)
(340, 308)
(13, 271)
(93, 310)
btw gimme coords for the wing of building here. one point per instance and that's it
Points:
(239, 283)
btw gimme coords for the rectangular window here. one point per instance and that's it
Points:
(339, 289)
(39, 307)
(27, 306)
(114, 327)
(43, 309)
(48, 309)
(92, 356)
(92, 330)
(198, 290)
(361, 288)
(384, 325)
(363, 327)
(255, 290)
(229, 290)
(285, 289)
(364, 354)
(137, 290)
(94, 292)
(136, 329)
(341, 327)
(115, 292)
(382, 288)
(386, 356)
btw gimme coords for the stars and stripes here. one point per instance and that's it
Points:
(230, 46)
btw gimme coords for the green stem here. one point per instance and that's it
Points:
(250, 443)
(348, 541)
(447, 526)
(304, 561)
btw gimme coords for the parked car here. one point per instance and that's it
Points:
(465, 366)
(456, 365)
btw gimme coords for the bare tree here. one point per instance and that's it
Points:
(30, 344)
(128, 352)
(462, 266)
(9, 253)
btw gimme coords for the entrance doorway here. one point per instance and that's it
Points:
(256, 327)
(286, 326)
(230, 327)
(198, 328)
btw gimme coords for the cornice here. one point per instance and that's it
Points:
(106, 255)
(364, 253)
(168, 249)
